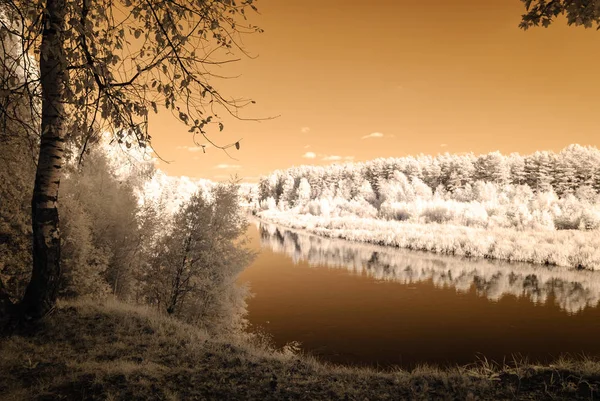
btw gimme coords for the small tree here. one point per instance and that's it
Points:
(304, 191)
(194, 267)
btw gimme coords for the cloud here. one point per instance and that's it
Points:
(335, 158)
(327, 158)
(373, 135)
(227, 166)
(193, 148)
(443, 145)
(306, 146)
(305, 130)
(251, 178)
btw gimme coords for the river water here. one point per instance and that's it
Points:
(360, 304)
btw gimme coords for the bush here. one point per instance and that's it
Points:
(359, 208)
(437, 213)
(590, 219)
(395, 211)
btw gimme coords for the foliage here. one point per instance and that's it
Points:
(541, 191)
(101, 233)
(19, 144)
(17, 171)
(577, 12)
(462, 205)
(575, 249)
(128, 58)
(193, 267)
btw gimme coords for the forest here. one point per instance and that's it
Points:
(464, 205)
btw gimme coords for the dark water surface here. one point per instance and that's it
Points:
(360, 304)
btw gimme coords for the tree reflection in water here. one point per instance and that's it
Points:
(571, 290)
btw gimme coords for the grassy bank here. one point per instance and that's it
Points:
(569, 248)
(115, 351)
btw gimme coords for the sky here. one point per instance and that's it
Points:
(349, 80)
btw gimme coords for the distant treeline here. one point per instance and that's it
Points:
(565, 172)
(541, 191)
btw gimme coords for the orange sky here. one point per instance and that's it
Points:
(431, 76)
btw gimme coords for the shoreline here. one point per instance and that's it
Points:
(492, 278)
(575, 249)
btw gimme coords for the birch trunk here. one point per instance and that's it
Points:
(40, 295)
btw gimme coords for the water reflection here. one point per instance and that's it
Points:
(571, 290)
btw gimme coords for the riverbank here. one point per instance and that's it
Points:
(116, 351)
(568, 248)
(571, 290)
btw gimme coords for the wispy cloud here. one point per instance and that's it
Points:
(227, 166)
(305, 130)
(373, 135)
(250, 178)
(335, 158)
(443, 145)
(193, 148)
(327, 158)
(306, 146)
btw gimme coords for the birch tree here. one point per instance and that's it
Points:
(104, 65)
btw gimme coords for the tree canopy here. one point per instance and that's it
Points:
(126, 58)
(577, 12)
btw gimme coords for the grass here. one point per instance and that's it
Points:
(115, 351)
(568, 248)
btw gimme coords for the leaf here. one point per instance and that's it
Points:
(220, 127)
(237, 145)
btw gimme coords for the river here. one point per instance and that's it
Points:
(361, 304)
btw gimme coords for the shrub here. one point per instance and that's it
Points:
(437, 213)
(395, 211)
